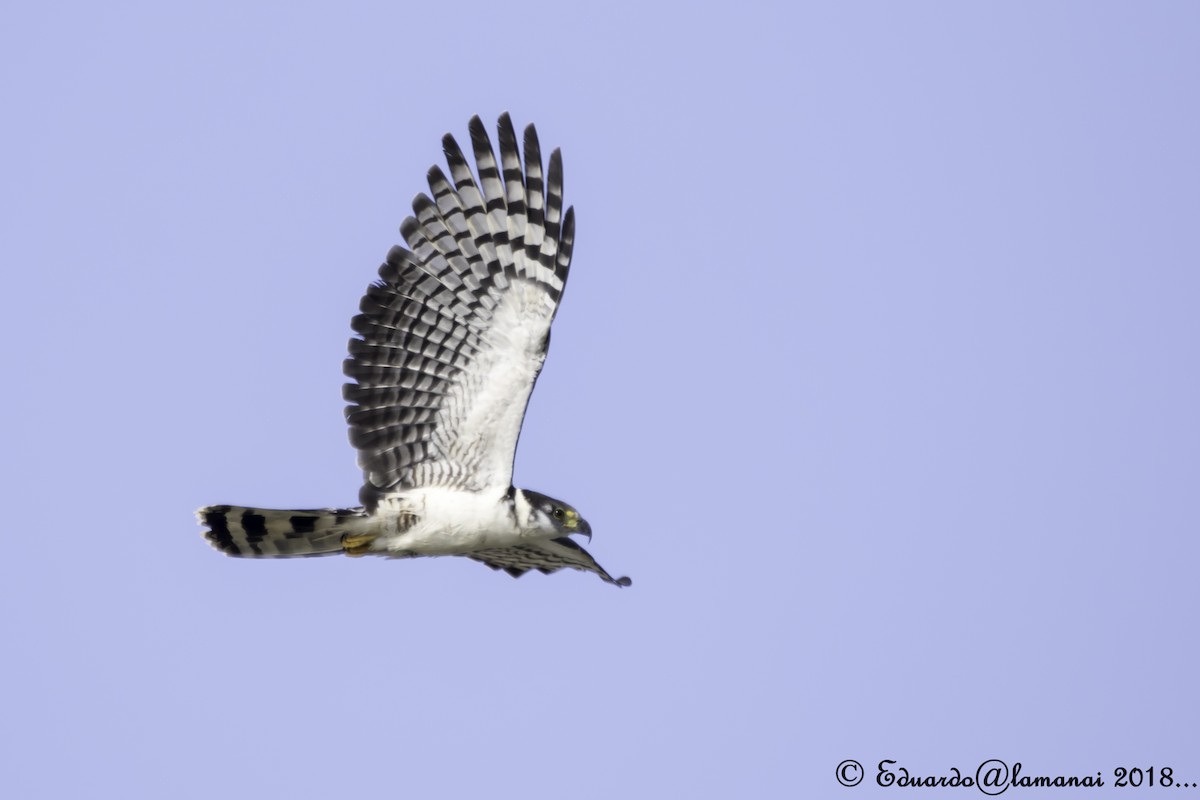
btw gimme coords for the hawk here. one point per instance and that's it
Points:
(449, 343)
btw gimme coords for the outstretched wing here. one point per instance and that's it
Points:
(546, 556)
(452, 336)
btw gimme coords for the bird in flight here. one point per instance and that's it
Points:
(448, 346)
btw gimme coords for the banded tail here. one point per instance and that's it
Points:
(268, 533)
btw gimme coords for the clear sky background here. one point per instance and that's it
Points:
(877, 372)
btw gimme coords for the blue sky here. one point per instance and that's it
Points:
(877, 372)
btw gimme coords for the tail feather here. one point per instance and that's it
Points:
(267, 533)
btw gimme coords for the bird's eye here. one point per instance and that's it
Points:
(559, 513)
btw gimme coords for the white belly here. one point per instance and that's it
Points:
(448, 522)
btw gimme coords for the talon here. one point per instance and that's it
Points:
(358, 544)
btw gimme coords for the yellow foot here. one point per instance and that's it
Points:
(358, 544)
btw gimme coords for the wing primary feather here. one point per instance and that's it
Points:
(566, 246)
(554, 205)
(514, 195)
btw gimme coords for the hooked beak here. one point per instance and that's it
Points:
(584, 528)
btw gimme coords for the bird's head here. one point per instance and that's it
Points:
(556, 517)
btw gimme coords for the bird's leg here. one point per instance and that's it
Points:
(358, 544)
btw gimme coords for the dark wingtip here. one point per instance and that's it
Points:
(531, 136)
(453, 152)
(477, 129)
(623, 582)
